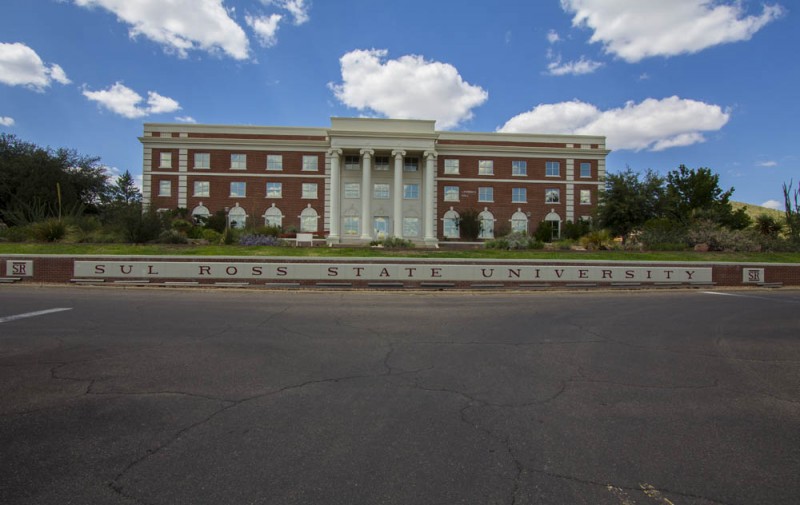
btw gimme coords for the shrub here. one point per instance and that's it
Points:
(574, 231)
(260, 240)
(269, 231)
(469, 224)
(768, 226)
(212, 236)
(719, 238)
(598, 240)
(544, 232)
(393, 243)
(15, 233)
(181, 225)
(218, 221)
(172, 237)
(564, 245)
(663, 235)
(514, 240)
(49, 230)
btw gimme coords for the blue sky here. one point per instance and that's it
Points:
(710, 83)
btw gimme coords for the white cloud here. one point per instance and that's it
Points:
(553, 37)
(409, 87)
(6, 121)
(773, 204)
(266, 28)
(767, 164)
(638, 29)
(180, 25)
(651, 124)
(124, 101)
(580, 67)
(21, 66)
(185, 119)
(297, 8)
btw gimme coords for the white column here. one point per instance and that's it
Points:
(430, 170)
(335, 195)
(398, 193)
(366, 193)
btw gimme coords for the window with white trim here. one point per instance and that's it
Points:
(274, 162)
(202, 188)
(586, 197)
(165, 188)
(382, 163)
(411, 227)
(586, 170)
(238, 162)
(451, 167)
(352, 163)
(486, 194)
(308, 220)
(202, 160)
(380, 191)
(519, 195)
(273, 217)
(238, 189)
(451, 193)
(552, 168)
(165, 160)
(410, 191)
(519, 167)
(274, 190)
(519, 222)
(309, 190)
(410, 164)
(552, 195)
(310, 163)
(450, 224)
(350, 226)
(352, 190)
(486, 219)
(237, 217)
(486, 167)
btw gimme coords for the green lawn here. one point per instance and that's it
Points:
(325, 252)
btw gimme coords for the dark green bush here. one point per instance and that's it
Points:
(49, 230)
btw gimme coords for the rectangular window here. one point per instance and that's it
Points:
(310, 190)
(586, 169)
(519, 195)
(352, 163)
(552, 169)
(486, 167)
(350, 226)
(451, 193)
(202, 188)
(165, 188)
(238, 189)
(411, 165)
(165, 160)
(352, 190)
(202, 160)
(380, 226)
(274, 162)
(381, 192)
(552, 195)
(411, 227)
(519, 168)
(381, 163)
(485, 194)
(310, 163)
(238, 162)
(586, 197)
(410, 191)
(451, 166)
(274, 190)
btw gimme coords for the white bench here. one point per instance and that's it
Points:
(304, 238)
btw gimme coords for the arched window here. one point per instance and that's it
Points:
(273, 217)
(308, 220)
(450, 224)
(200, 213)
(555, 220)
(519, 221)
(237, 217)
(487, 223)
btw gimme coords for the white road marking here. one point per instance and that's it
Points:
(32, 314)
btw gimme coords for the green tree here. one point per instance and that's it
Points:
(629, 201)
(792, 208)
(469, 224)
(36, 183)
(695, 194)
(124, 190)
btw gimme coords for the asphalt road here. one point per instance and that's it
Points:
(168, 396)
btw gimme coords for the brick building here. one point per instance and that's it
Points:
(363, 179)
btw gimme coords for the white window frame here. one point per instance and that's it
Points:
(352, 163)
(307, 217)
(519, 168)
(486, 194)
(271, 187)
(519, 195)
(274, 162)
(450, 228)
(238, 161)
(519, 222)
(411, 227)
(552, 169)
(164, 188)
(202, 161)
(451, 167)
(351, 226)
(202, 188)
(243, 186)
(380, 191)
(411, 191)
(381, 163)
(165, 159)
(485, 167)
(452, 193)
(552, 195)
(586, 197)
(411, 164)
(352, 190)
(586, 164)
(310, 163)
(310, 191)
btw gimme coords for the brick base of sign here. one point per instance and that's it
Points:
(395, 273)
